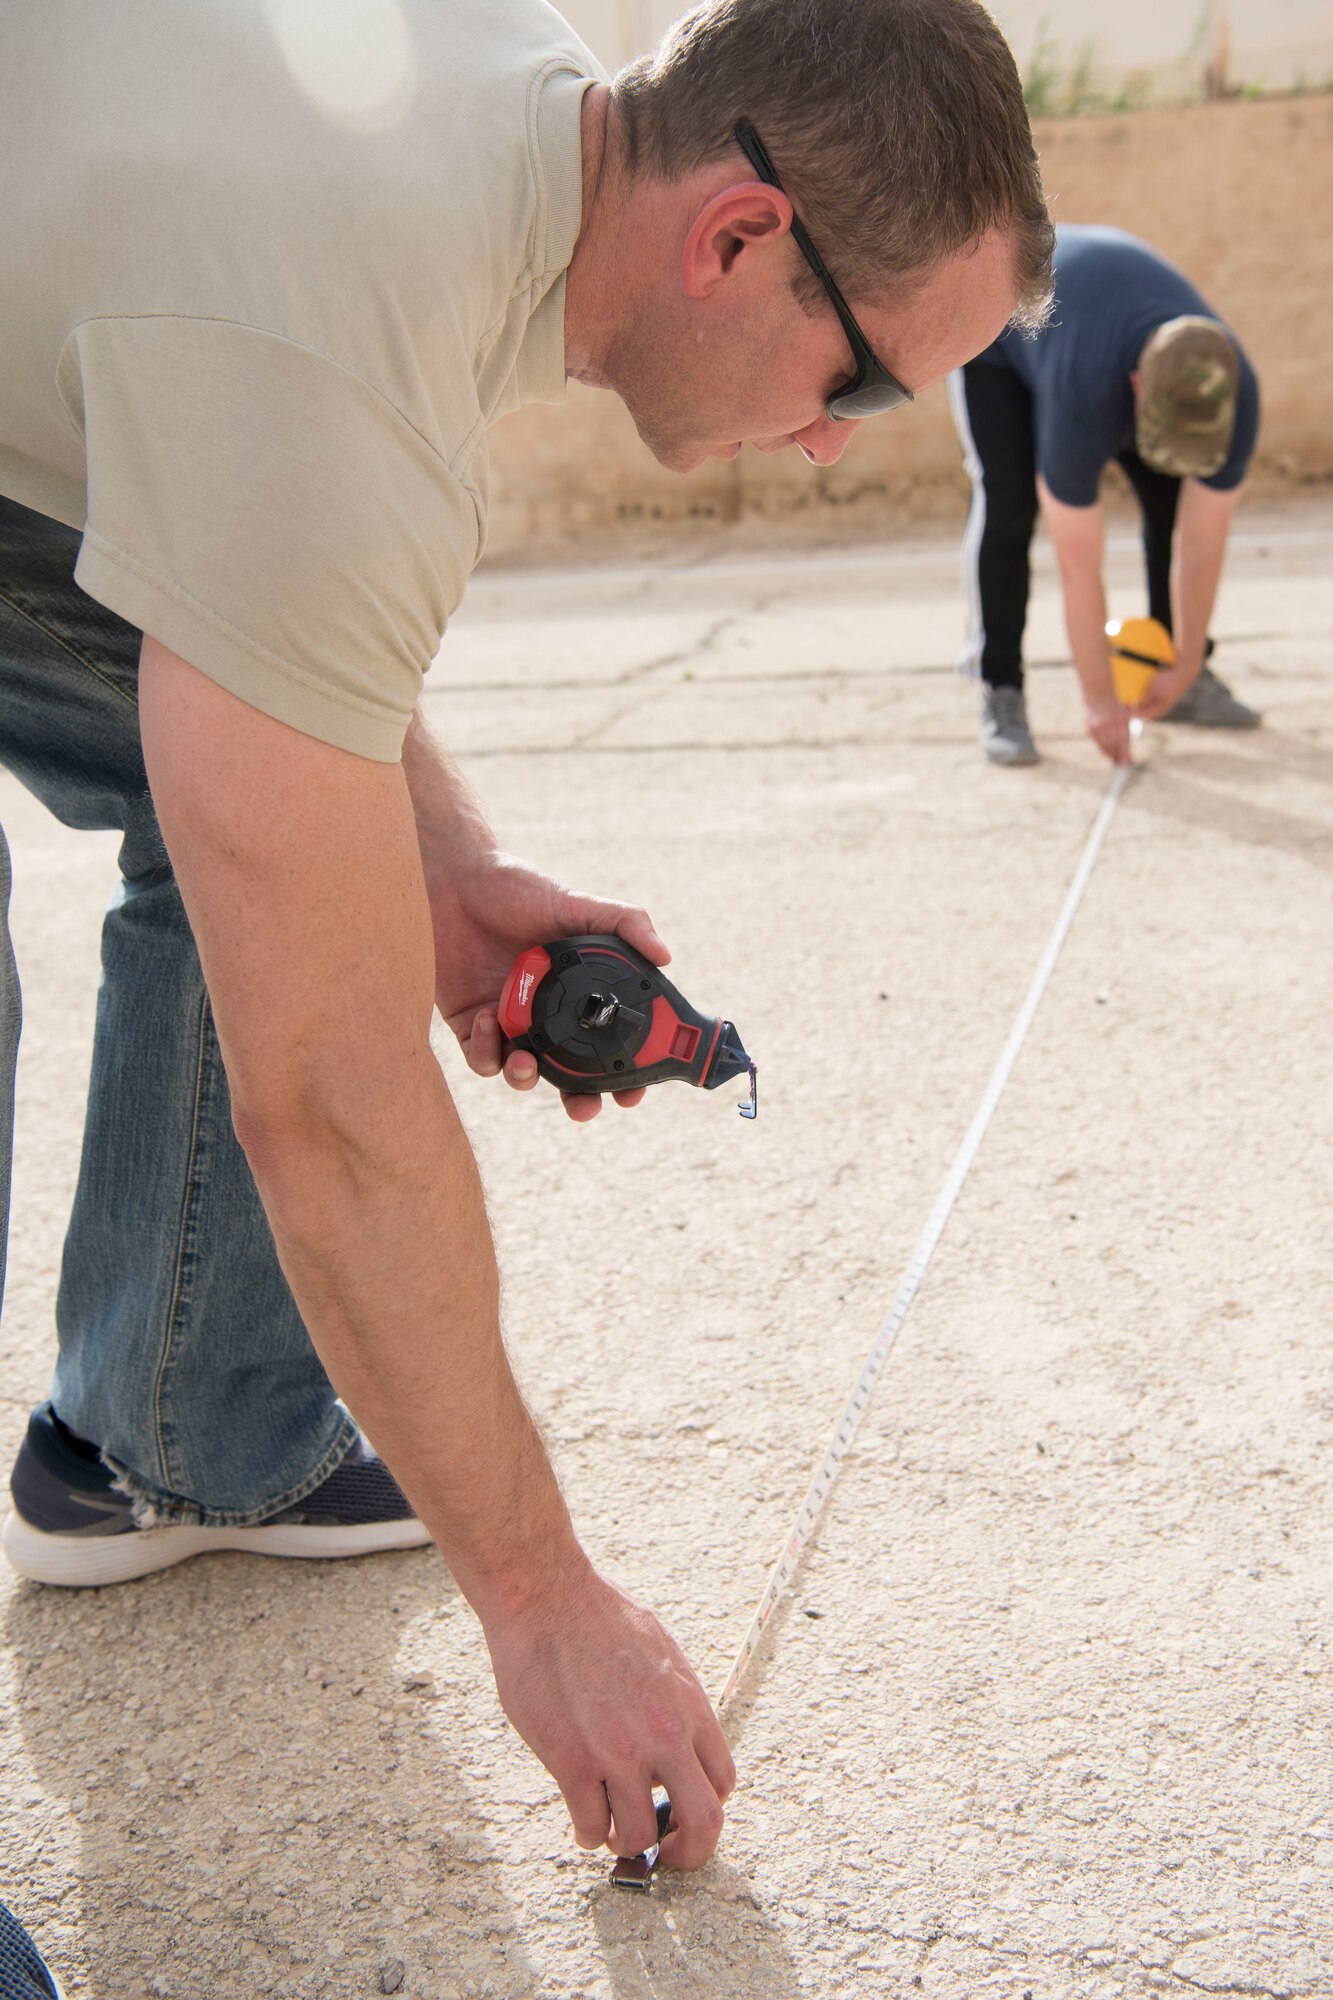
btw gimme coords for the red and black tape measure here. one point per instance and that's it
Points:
(598, 1016)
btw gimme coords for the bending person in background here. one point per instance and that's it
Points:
(1134, 366)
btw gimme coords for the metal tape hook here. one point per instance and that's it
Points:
(635, 1871)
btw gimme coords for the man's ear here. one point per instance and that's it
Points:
(1136, 384)
(730, 230)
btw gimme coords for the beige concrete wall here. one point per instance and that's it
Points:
(1238, 194)
(1160, 47)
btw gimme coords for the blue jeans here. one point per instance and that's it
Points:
(181, 1351)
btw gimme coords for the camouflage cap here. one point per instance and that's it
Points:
(1189, 371)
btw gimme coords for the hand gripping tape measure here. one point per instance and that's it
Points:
(598, 1016)
(1138, 649)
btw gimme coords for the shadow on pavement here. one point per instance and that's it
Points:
(1198, 781)
(268, 1797)
(1206, 788)
(696, 1938)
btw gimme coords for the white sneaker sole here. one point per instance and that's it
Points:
(81, 1562)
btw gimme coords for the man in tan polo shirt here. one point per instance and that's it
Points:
(265, 290)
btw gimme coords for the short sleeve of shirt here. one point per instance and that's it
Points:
(270, 517)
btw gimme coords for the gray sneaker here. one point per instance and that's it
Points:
(1005, 736)
(1210, 704)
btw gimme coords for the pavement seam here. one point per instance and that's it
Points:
(1120, 1964)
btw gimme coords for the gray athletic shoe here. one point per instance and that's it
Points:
(1005, 736)
(1210, 704)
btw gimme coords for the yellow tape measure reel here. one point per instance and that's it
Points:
(1138, 647)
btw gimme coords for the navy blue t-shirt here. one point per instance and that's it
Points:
(1111, 293)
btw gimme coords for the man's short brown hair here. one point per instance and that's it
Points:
(898, 127)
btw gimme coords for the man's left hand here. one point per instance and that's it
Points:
(489, 908)
(1169, 684)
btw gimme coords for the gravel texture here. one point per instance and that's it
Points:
(1046, 1715)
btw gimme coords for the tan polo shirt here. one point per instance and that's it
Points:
(268, 269)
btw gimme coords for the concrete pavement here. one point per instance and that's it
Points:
(1047, 1713)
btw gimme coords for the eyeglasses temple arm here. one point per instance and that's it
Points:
(756, 153)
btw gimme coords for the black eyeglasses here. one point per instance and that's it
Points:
(872, 390)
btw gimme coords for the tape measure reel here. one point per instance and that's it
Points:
(1138, 647)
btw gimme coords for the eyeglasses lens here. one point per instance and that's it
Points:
(868, 399)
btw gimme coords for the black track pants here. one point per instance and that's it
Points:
(993, 412)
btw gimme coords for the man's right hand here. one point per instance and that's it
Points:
(605, 1697)
(1108, 726)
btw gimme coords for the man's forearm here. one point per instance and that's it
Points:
(1077, 537)
(380, 1223)
(1203, 523)
(300, 870)
(1085, 621)
(450, 822)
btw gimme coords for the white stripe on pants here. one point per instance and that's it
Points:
(969, 659)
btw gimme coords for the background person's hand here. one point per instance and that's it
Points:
(484, 912)
(1167, 687)
(1108, 726)
(605, 1697)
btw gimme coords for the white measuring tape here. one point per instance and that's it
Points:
(855, 1407)
(636, 1871)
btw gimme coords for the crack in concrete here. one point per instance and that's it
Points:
(728, 747)
(707, 644)
(587, 738)
(758, 677)
(1119, 1964)
(1260, 1992)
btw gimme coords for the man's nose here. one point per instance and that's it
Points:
(825, 441)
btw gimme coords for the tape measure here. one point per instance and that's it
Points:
(1138, 648)
(635, 1871)
(598, 1016)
